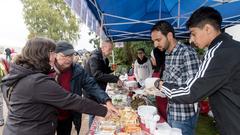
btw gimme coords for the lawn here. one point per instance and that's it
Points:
(206, 126)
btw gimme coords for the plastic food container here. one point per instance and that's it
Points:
(144, 110)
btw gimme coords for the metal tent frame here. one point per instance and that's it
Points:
(119, 28)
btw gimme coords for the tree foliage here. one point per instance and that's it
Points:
(94, 41)
(127, 55)
(50, 18)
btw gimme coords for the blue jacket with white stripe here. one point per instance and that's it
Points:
(219, 79)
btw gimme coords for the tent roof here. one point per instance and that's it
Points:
(127, 20)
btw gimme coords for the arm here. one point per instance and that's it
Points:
(91, 88)
(97, 71)
(47, 91)
(212, 75)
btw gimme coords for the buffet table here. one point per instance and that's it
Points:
(145, 131)
(120, 98)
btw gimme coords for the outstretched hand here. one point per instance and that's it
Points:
(112, 108)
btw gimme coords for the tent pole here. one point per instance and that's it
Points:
(160, 10)
(179, 13)
(129, 19)
(101, 29)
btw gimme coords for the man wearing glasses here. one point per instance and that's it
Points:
(74, 78)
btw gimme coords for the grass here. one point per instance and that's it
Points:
(206, 126)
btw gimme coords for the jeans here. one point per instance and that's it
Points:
(187, 126)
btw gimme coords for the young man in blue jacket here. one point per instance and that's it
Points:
(219, 75)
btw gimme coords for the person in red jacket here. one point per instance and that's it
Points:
(74, 79)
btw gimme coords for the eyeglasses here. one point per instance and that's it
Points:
(67, 56)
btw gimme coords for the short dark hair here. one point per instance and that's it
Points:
(205, 15)
(35, 54)
(164, 27)
(141, 49)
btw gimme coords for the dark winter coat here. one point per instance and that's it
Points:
(98, 67)
(81, 80)
(34, 101)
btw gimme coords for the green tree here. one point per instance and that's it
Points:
(127, 54)
(50, 18)
(124, 57)
(94, 41)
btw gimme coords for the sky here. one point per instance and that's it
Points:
(13, 31)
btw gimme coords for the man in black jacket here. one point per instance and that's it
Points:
(98, 67)
(219, 75)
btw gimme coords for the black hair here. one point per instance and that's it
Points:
(141, 49)
(164, 27)
(205, 15)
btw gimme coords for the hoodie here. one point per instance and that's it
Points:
(34, 101)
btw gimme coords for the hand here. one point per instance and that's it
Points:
(119, 83)
(158, 84)
(111, 108)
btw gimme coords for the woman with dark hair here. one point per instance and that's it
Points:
(33, 97)
(142, 67)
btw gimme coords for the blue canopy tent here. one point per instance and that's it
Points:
(128, 20)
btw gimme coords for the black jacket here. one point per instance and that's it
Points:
(219, 79)
(99, 68)
(34, 102)
(160, 60)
